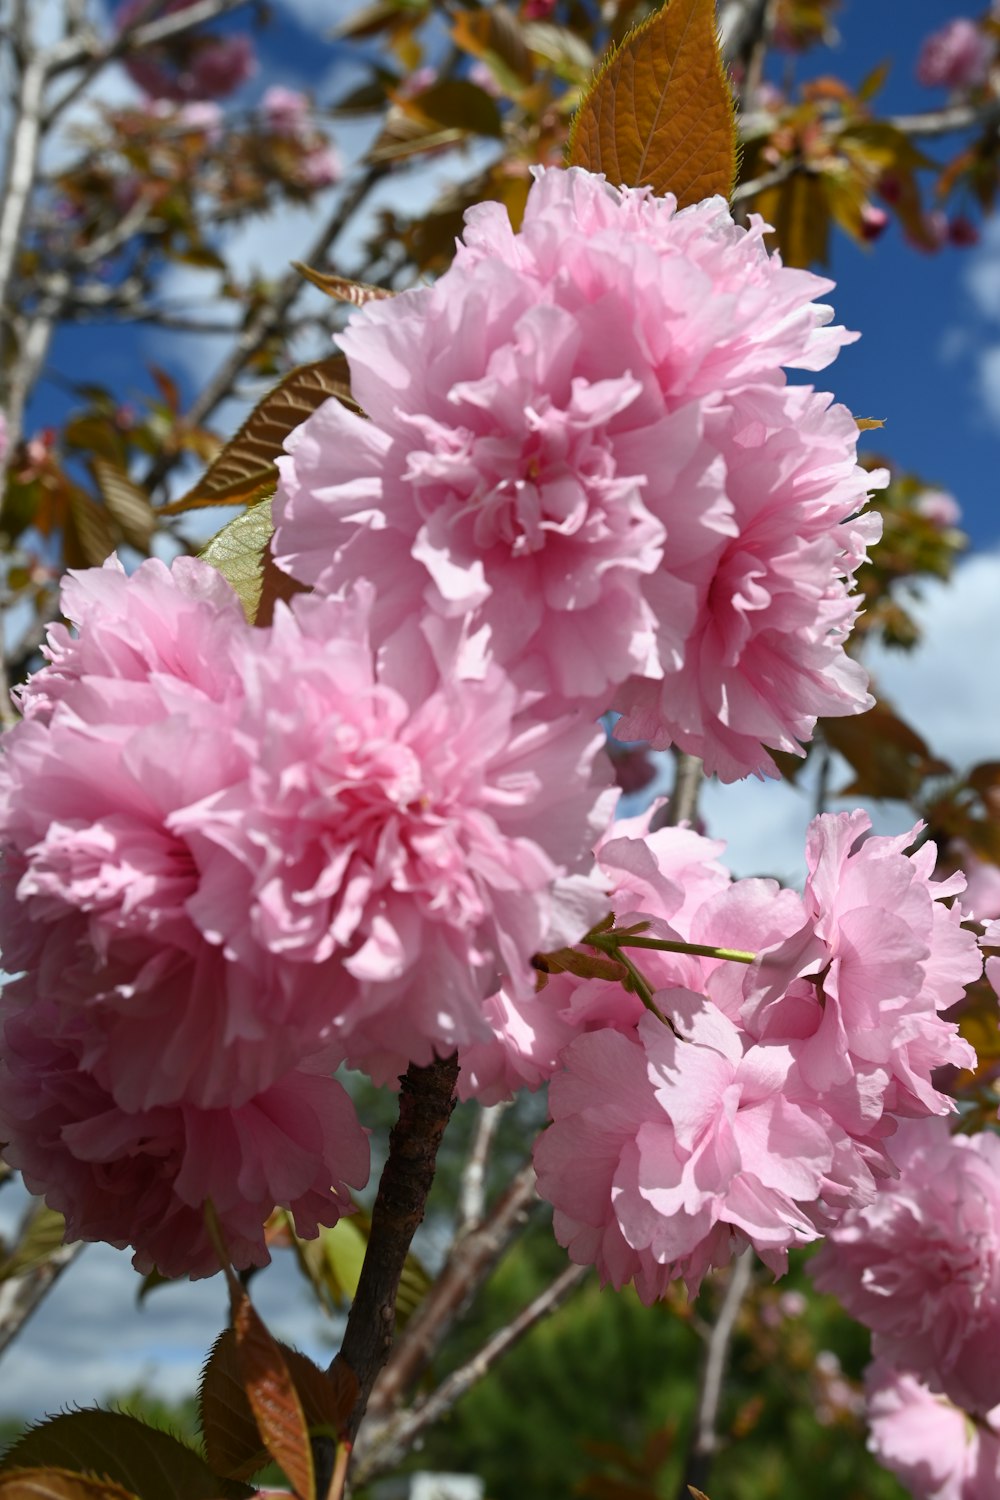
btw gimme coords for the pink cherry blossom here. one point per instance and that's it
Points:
(285, 110)
(929, 1444)
(583, 462)
(940, 508)
(920, 1266)
(142, 1177)
(675, 1146)
(958, 56)
(862, 985)
(224, 845)
(194, 66)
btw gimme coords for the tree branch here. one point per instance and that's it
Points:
(20, 1295)
(683, 802)
(705, 1437)
(397, 1438)
(469, 1264)
(426, 1100)
(269, 316)
(472, 1189)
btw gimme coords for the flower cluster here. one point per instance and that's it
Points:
(237, 856)
(188, 67)
(958, 56)
(231, 850)
(927, 1442)
(920, 1266)
(763, 1108)
(582, 462)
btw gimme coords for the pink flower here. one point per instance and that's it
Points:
(920, 1266)
(224, 844)
(668, 1152)
(958, 56)
(142, 1177)
(863, 984)
(285, 110)
(320, 168)
(929, 1444)
(189, 67)
(940, 508)
(583, 462)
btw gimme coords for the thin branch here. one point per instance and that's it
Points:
(705, 1436)
(22, 168)
(20, 1295)
(741, 22)
(472, 1189)
(468, 1266)
(948, 121)
(426, 1100)
(683, 804)
(88, 53)
(270, 314)
(398, 1437)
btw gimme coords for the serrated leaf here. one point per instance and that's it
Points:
(660, 112)
(340, 288)
(127, 502)
(87, 535)
(244, 471)
(44, 1233)
(59, 1484)
(273, 1399)
(114, 1446)
(799, 212)
(232, 1437)
(241, 552)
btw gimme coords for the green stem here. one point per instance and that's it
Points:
(667, 945)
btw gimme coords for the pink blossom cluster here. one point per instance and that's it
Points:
(193, 66)
(920, 1265)
(287, 113)
(581, 461)
(927, 1442)
(235, 856)
(762, 1105)
(957, 56)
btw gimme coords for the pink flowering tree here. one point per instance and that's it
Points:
(333, 794)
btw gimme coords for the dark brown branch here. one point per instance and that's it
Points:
(426, 1100)
(469, 1264)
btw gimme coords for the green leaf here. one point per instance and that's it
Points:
(44, 1233)
(127, 503)
(59, 1484)
(109, 1444)
(660, 112)
(244, 471)
(456, 104)
(332, 1262)
(241, 552)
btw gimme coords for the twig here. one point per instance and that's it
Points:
(426, 1100)
(741, 22)
(705, 1437)
(472, 1189)
(683, 803)
(469, 1264)
(20, 1295)
(396, 1439)
(269, 316)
